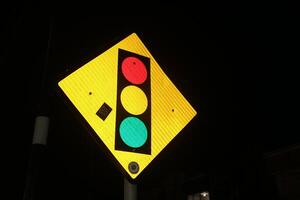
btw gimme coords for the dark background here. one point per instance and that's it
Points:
(233, 62)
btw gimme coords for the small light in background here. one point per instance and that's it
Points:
(204, 194)
(199, 196)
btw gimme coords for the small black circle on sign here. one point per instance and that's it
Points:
(133, 167)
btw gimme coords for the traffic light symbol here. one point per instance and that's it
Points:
(133, 117)
(131, 106)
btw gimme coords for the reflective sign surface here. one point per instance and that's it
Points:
(129, 102)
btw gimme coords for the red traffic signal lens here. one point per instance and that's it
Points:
(134, 70)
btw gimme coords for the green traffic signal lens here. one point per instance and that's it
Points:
(133, 132)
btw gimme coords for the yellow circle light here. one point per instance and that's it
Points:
(134, 100)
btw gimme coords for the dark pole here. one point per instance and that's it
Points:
(40, 133)
(130, 190)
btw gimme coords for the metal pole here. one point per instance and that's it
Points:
(39, 143)
(40, 133)
(130, 190)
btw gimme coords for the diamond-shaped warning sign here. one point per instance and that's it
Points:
(129, 102)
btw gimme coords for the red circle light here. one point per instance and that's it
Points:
(134, 70)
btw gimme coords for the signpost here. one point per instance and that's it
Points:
(129, 103)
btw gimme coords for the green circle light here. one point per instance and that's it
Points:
(133, 132)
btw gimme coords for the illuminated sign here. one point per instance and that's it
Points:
(129, 102)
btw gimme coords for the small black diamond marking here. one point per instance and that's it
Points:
(104, 111)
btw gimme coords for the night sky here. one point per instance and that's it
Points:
(226, 60)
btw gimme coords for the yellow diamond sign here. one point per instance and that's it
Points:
(129, 103)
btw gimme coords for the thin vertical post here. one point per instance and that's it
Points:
(40, 133)
(130, 190)
(39, 143)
